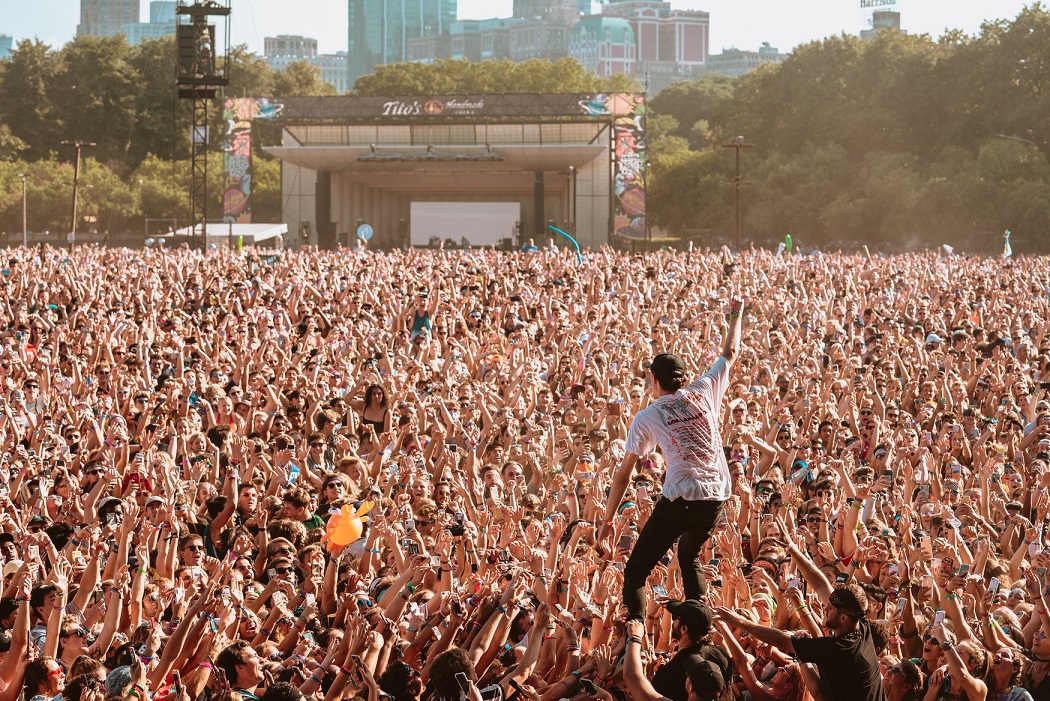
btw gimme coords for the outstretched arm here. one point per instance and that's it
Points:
(617, 490)
(731, 349)
(633, 671)
(771, 636)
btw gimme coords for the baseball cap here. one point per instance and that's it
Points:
(706, 678)
(694, 614)
(39, 520)
(11, 567)
(668, 369)
(934, 338)
(665, 363)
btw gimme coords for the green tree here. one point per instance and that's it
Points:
(94, 94)
(107, 201)
(26, 108)
(160, 120)
(10, 145)
(300, 79)
(162, 188)
(465, 77)
(692, 101)
(250, 75)
(49, 188)
(266, 189)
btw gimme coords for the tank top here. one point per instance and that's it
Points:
(419, 323)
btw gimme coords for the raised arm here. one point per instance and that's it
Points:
(633, 671)
(731, 349)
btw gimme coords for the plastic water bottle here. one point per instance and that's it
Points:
(293, 473)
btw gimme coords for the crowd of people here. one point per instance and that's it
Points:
(181, 428)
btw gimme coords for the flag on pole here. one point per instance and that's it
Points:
(1007, 251)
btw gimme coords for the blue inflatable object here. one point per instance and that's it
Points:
(579, 256)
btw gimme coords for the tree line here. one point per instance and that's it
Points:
(121, 98)
(905, 141)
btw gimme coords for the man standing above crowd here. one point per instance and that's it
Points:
(683, 421)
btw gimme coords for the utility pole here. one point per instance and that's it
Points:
(25, 228)
(738, 143)
(76, 185)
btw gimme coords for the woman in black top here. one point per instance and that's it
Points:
(374, 410)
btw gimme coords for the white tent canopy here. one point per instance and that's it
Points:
(219, 233)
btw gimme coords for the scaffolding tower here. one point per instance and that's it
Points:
(201, 75)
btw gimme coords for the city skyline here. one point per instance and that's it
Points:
(783, 25)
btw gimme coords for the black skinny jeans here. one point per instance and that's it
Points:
(694, 521)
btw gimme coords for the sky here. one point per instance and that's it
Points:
(743, 24)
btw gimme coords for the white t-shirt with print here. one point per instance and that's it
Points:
(685, 426)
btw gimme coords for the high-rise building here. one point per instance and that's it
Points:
(288, 46)
(604, 45)
(7, 45)
(671, 44)
(735, 63)
(381, 29)
(882, 21)
(560, 11)
(284, 49)
(106, 18)
(161, 23)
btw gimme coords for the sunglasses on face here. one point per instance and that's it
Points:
(195, 548)
(283, 570)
